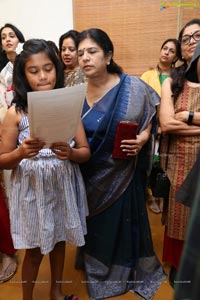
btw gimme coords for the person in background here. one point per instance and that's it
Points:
(68, 53)
(118, 243)
(10, 37)
(180, 122)
(169, 54)
(47, 199)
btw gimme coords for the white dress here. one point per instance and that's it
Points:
(47, 200)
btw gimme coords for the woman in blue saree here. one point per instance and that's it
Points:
(118, 255)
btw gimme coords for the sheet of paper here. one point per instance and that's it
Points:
(54, 115)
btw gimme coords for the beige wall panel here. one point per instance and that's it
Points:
(136, 27)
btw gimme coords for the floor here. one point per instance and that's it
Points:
(74, 281)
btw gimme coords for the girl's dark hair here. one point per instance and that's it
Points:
(102, 39)
(178, 74)
(20, 83)
(54, 46)
(16, 31)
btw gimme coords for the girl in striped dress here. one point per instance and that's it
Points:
(47, 199)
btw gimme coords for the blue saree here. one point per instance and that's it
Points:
(118, 254)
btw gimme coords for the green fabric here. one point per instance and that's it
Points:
(162, 77)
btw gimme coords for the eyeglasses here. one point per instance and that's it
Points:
(187, 38)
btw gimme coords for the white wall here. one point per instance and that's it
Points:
(46, 19)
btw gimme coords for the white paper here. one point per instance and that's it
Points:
(54, 115)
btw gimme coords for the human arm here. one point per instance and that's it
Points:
(184, 115)
(169, 122)
(133, 147)
(80, 153)
(10, 154)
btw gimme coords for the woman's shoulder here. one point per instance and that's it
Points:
(149, 73)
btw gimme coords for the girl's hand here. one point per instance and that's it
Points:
(131, 147)
(30, 147)
(62, 150)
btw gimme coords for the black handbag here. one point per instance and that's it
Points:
(158, 180)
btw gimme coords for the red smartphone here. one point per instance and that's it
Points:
(125, 131)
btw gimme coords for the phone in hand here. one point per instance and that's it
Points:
(125, 131)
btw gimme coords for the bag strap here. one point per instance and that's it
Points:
(168, 145)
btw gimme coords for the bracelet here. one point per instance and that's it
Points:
(190, 118)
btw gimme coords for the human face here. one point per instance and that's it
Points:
(69, 54)
(9, 40)
(168, 53)
(187, 51)
(92, 58)
(40, 72)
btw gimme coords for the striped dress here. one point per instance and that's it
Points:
(47, 200)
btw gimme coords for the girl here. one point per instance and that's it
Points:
(47, 197)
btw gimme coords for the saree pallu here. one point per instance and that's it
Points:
(118, 255)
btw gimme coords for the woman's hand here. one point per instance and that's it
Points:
(182, 116)
(62, 150)
(30, 147)
(133, 147)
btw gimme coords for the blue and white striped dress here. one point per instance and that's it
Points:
(47, 200)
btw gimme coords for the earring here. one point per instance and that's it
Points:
(108, 62)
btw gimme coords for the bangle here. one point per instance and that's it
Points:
(190, 117)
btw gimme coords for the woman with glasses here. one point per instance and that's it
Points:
(169, 54)
(180, 121)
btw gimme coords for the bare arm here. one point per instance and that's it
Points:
(10, 154)
(183, 116)
(169, 121)
(80, 153)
